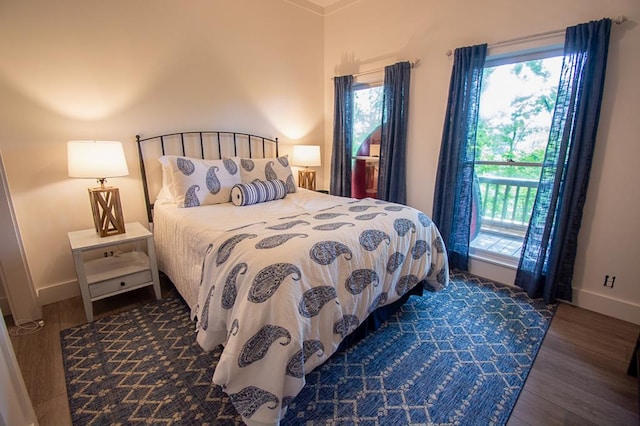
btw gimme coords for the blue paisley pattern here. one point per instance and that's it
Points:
(282, 293)
(230, 166)
(284, 161)
(369, 216)
(325, 252)
(442, 276)
(295, 366)
(420, 249)
(360, 279)
(360, 208)
(269, 279)
(251, 398)
(190, 198)
(424, 220)
(380, 300)
(287, 225)
(438, 244)
(205, 310)
(256, 348)
(345, 325)
(395, 261)
(324, 216)
(332, 226)
(269, 173)
(403, 226)
(371, 239)
(277, 240)
(185, 165)
(247, 164)
(213, 183)
(227, 247)
(233, 330)
(245, 226)
(294, 216)
(291, 184)
(230, 291)
(314, 299)
(406, 283)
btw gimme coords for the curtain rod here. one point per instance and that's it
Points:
(618, 20)
(413, 64)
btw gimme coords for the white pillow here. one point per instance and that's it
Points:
(252, 169)
(198, 182)
(166, 193)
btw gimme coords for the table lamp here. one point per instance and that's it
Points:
(100, 160)
(306, 156)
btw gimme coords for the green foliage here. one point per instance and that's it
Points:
(519, 131)
(516, 108)
(367, 114)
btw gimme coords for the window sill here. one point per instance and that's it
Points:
(487, 256)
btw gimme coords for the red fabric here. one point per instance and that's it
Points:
(359, 179)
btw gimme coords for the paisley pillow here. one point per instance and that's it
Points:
(259, 191)
(252, 169)
(198, 182)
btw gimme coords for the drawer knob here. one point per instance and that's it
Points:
(122, 284)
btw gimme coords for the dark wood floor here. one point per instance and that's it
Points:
(578, 378)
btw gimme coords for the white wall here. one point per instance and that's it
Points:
(368, 33)
(78, 69)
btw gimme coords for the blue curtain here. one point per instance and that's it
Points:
(452, 202)
(549, 250)
(392, 181)
(342, 137)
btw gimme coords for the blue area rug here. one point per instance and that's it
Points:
(459, 356)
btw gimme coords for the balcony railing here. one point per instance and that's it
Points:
(505, 205)
(507, 202)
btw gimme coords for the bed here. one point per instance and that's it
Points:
(281, 276)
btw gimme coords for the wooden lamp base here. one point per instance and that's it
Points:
(107, 211)
(307, 179)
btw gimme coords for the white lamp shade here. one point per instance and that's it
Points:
(96, 159)
(306, 155)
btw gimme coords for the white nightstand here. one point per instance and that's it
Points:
(108, 276)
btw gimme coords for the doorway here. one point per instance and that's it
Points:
(15, 279)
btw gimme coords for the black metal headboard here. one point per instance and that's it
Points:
(206, 144)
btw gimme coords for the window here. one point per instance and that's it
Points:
(367, 121)
(516, 108)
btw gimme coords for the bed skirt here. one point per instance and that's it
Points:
(378, 317)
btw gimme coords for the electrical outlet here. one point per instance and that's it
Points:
(609, 281)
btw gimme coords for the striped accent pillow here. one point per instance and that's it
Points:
(258, 191)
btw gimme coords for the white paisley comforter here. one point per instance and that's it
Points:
(281, 288)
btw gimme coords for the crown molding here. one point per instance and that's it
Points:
(316, 8)
(338, 5)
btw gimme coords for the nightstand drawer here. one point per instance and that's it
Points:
(103, 277)
(120, 283)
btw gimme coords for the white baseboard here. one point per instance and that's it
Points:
(57, 292)
(492, 271)
(615, 308)
(586, 299)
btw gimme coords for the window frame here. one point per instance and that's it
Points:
(510, 53)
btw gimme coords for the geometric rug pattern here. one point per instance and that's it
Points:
(458, 356)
